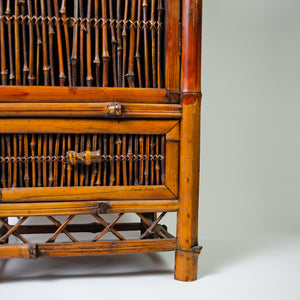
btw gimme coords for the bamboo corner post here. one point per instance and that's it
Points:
(186, 257)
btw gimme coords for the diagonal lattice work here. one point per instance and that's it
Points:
(149, 228)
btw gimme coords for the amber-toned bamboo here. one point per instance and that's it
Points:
(33, 173)
(15, 166)
(94, 166)
(119, 44)
(105, 162)
(87, 167)
(10, 46)
(130, 163)
(138, 41)
(96, 60)
(159, 45)
(157, 162)
(63, 12)
(98, 181)
(62, 76)
(136, 162)
(56, 152)
(105, 53)
(31, 77)
(4, 72)
(60, 229)
(51, 43)
(130, 75)
(39, 44)
(146, 172)
(112, 177)
(153, 49)
(146, 52)
(141, 171)
(17, 46)
(74, 57)
(76, 183)
(20, 163)
(45, 149)
(124, 165)
(9, 182)
(81, 179)
(63, 166)
(89, 77)
(113, 43)
(82, 42)
(162, 151)
(50, 153)
(46, 66)
(39, 153)
(124, 38)
(69, 167)
(152, 152)
(26, 174)
(3, 177)
(118, 163)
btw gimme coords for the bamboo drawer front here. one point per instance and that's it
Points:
(99, 121)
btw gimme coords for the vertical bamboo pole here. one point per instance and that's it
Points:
(56, 152)
(98, 181)
(187, 218)
(105, 162)
(138, 41)
(87, 167)
(69, 167)
(4, 71)
(152, 147)
(136, 162)
(17, 46)
(81, 46)
(15, 172)
(9, 182)
(163, 162)
(157, 163)
(46, 66)
(45, 149)
(32, 146)
(38, 42)
(105, 53)
(26, 174)
(20, 163)
(118, 163)
(113, 43)
(130, 170)
(51, 43)
(63, 166)
(31, 77)
(153, 51)
(119, 44)
(10, 45)
(50, 153)
(39, 153)
(89, 77)
(3, 177)
(146, 52)
(141, 172)
(94, 166)
(76, 166)
(124, 153)
(146, 172)
(112, 177)
(124, 38)
(74, 58)
(159, 45)
(97, 61)
(81, 180)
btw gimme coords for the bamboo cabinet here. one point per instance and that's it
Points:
(100, 118)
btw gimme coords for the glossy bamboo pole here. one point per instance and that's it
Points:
(3, 177)
(20, 138)
(97, 61)
(50, 153)
(15, 165)
(105, 53)
(17, 46)
(119, 44)
(82, 42)
(63, 166)
(146, 52)
(9, 177)
(187, 218)
(113, 43)
(33, 171)
(31, 77)
(51, 42)
(87, 167)
(138, 42)
(39, 153)
(89, 77)
(26, 173)
(98, 181)
(159, 44)
(74, 57)
(153, 49)
(4, 71)
(124, 164)
(38, 43)
(124, 38)
(46, 67)
(112, 177)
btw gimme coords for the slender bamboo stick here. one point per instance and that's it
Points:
(81, 165)
(87, 167)
(3, 177)
(146, 52)
(141, 173)
(51, 43)
(74, 58)
(31, 77)
(39, 44)
(138, 42)
(56, 152)
(98, 181)
(112, 177)
(76, 166)
(46, 66)
(94, 166)
(20, 163)
(136, 162)
(130, 75)
(39, 153)
(146, 172)
(62, 76)
(26, 175)
(154, 80)
(124, 152)
(63, 166)
(63, 12)
(81, 46)
(157, 164)
(10, 46)
(159, 46)
(105, 53)
(9, 164)
(152, 151)
(50, 153)
(32, 146)
(15, 166)
(89, 77)
(124, 37)
(45, 149)
(163, 162)
(105, 162)
(96, 60)
(69, 167)
(4, 71)
(130, 161)
(17, 46)
(113, 43)
(118, 163)
(119, 44)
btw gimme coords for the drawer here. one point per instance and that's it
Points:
(86, 159)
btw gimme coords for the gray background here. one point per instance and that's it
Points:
(249, 220)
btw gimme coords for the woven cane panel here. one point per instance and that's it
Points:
(116, 43)
(42, 160)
